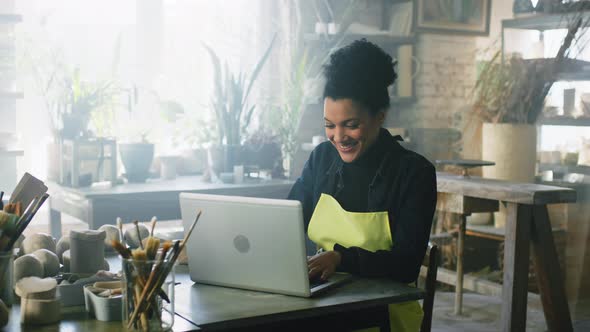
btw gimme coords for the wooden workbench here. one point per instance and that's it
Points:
(527, 223)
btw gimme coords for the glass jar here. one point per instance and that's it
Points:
(150, 309)
(6, 277)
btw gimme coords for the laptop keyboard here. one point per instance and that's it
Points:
(316, 282)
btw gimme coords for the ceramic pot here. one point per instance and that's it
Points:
(137, 159)
(513, 147)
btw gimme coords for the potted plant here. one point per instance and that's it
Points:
(263, 150)
(232, 109)
(137, 153)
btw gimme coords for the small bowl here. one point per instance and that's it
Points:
(105, 309)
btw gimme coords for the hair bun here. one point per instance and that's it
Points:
(361, 71)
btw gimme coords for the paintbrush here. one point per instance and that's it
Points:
(154, 282)
(151, 247)
(153, 225)
(26, 219)
(136, 223)
(126, 254)
(121, 249)
(120, 227)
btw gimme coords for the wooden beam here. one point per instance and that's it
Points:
(516, 266)
(464, 205)
(525, 193)
(477, 285)
(548, 272)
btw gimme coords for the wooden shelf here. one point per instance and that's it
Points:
(348, 38)
(562, 169)
(10, 18)
(572, 69)
(11, 95)
(11, 153)
(565, 121)
(544, 22)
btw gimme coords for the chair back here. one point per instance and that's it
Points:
(431, 263)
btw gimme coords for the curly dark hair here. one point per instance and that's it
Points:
(362, 72)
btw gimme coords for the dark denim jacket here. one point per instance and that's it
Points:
(404, 185)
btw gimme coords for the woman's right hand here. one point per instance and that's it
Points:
(324, 264)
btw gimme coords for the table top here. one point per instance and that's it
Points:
(220, 307)
(180, 184)
(212, 307)
(524, 193)
(76, 319)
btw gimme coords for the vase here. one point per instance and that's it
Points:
(137, 159)
(513, 147)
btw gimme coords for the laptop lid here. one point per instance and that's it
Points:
(244, 242)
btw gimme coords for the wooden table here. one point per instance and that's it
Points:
(527, 223)
(220, 308)
(203, 307)
(141, 201)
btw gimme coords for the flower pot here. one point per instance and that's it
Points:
(74, 125)
(137, 159)
(513, 147)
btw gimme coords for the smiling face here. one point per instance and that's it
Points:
(350, 128)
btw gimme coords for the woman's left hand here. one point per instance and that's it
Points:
(323, 264)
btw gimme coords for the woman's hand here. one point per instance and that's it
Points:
(323, 264)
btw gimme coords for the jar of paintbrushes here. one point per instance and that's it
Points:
(14, 218)
(148, 281)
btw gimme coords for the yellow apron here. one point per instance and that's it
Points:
(331, 224)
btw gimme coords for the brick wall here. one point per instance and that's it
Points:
(444, 82)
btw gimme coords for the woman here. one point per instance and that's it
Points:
(367, 202)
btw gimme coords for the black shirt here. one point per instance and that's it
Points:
(357, 177)
(388, 178)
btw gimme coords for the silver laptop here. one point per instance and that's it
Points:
(250, 243)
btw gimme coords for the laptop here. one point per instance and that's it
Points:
(250, 243)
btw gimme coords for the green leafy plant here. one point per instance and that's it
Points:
(85, 100)
(230, 97)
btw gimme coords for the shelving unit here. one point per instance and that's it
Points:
(542, 22)
(8, 99)
(576, 70)
(565, 121)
